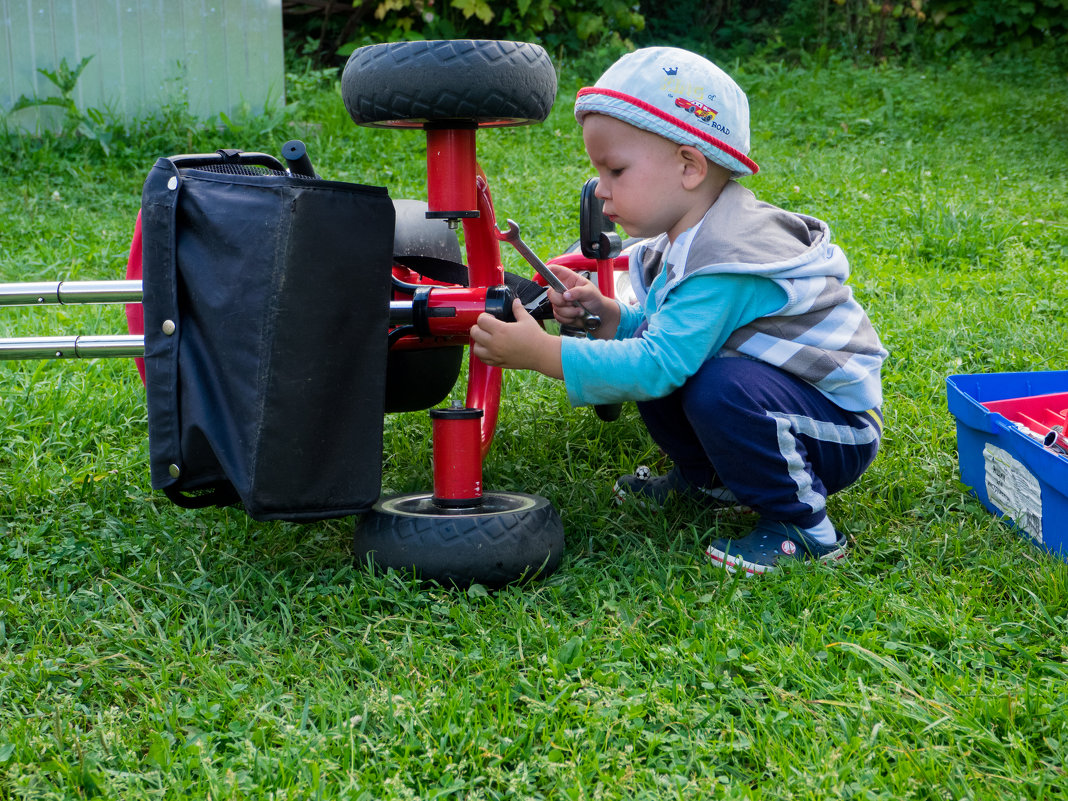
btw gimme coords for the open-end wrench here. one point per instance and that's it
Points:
(590, 322)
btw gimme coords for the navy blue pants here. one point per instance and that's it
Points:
(775, 441)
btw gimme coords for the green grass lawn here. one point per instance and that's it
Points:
(151, 652)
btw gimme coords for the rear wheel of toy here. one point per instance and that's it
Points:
(410, 84)
(422, 377)
(511, 537)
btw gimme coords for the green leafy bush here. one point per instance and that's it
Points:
(997, 25)
(560, 25)
(865, 31)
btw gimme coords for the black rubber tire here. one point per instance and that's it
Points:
(420, 379)
(415, 235)
(409, 84)
(513, 537)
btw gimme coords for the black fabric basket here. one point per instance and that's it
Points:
(266, 302)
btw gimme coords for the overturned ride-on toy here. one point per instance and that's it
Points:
(277, 317)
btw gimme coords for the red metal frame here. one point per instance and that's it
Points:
(457, 457)
(457, 189)
(450, 172)
(135, 312)
(485, 269)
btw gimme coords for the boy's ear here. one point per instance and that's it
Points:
(694, 166)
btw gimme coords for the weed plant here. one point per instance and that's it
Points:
(151, 652)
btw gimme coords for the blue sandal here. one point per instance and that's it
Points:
(770, 542)
(643, 486)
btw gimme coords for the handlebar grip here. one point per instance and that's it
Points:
(295, 153)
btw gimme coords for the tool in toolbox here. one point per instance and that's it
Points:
(1041, 417)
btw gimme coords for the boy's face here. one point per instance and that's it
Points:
(641, 178)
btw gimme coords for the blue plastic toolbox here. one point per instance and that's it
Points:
(1004, 461)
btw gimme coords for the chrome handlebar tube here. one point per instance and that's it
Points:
(68, 293)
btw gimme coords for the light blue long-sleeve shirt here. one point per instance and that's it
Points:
(690, 324)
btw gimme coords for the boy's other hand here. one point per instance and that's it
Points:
(522, 345)
(568, 312)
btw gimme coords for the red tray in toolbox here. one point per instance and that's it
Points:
(1038, 412)
(1004, 460)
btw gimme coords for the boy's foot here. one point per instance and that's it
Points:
(645, 487)
(770, 542)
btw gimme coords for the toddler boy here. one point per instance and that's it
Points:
(752, 365)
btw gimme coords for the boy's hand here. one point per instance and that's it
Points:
(568, 312)
(522, 345)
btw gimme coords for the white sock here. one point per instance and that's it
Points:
(823, 532)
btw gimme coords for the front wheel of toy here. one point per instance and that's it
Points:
(512, 537)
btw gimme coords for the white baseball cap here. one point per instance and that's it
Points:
(678, 95)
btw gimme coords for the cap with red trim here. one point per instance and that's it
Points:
(680, 96)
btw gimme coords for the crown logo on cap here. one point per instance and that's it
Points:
(671, 70)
